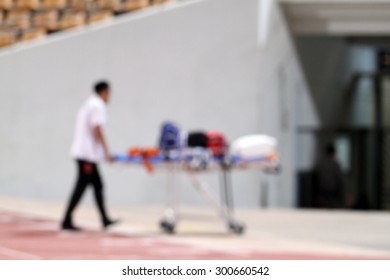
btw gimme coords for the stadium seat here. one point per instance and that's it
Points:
(131, 5)
(18, 19)
(46, 19)
(28, 4)
(156, 2)
(54, 4)
(99, 16)
(72, 20)
(31, 34)
(113, 5)
(7, 38)
(6, 4)
(82, 5)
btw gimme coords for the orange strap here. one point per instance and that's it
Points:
(146, 154)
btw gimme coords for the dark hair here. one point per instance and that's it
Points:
(330, 150)
(101, 86)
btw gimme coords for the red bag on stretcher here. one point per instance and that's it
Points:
(216, 142)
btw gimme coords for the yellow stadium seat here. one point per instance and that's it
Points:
(82, 5)
(6, 4)
(156, 2)
(72, 20)
(131, 5)
(54, 4)
(18, 19)
(32, 34)
(99, 16)
(27, 4)
(7, 38)
(46, 19)
(109, 4)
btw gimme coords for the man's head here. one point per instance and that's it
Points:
(102, 89)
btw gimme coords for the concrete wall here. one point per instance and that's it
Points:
(218, 64)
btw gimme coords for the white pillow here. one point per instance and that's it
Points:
(252, 146)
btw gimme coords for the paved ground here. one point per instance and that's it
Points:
(29, 230)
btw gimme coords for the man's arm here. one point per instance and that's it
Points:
(101, 139)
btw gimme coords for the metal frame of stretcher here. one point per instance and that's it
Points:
(175, 164)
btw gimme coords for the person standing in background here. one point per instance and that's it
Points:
(88, 149)
(329, 180)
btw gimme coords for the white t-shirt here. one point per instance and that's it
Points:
(85, 145)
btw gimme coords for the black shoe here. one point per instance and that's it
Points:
(109, 223)
(70, 227)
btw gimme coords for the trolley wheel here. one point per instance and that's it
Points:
(236, 228)
(167, 226)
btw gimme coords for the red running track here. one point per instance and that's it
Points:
(25, 237)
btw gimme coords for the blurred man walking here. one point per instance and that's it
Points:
(88, 149)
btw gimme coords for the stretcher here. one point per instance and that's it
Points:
(193, 161)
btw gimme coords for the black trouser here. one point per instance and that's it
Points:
(88, 174)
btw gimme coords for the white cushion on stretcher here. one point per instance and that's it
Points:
(253, 146)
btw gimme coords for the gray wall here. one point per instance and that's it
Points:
(206, 64)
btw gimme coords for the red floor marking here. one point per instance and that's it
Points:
(25, 237)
